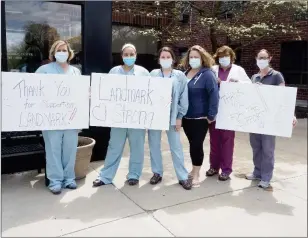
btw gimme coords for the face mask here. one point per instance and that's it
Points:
(263, 63)
(195, 63)
(129, 61)
(61, 57)
(225, 61)
(165, 63)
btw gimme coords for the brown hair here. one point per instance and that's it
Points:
(167, 49)
(206, 58)
(266, 51)
(55, 47)
(224, 51)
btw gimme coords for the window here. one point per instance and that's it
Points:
(146, 45)
(294, 62)
(33, 26)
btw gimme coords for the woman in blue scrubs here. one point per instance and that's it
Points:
(179, 106)
(60, 145)
(136, 137)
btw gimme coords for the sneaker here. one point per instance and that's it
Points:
(71, 186)
(98, 182)
(156, 179)
(264, 184)
(252, 177)
(186, 184)
(56, 190)
(211, 172)
(223, 177)
(132, 182)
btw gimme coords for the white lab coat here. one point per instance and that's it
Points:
(236, 73)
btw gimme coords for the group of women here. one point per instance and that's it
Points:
(194, 106)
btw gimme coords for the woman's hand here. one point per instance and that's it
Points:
(294, 121)
(209, 121)
(178, 124)
(218, 80)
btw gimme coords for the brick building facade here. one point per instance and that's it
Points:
(150, 14)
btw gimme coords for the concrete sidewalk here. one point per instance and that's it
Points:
(233, 208)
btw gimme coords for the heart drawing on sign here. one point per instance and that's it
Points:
(100, 112)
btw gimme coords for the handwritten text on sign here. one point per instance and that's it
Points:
(130, 101)
(44, 101)
(261, 109)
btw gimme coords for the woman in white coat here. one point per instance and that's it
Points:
(222, 141)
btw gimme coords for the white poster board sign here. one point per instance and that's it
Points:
(130, 101)
(254, 108)
(44, 101)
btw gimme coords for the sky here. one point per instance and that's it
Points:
(66, 18)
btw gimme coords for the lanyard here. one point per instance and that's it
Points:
(162, 73)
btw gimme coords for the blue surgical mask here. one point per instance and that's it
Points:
(165, 63)
(129, 61)
(61, 57)
(224, 61)
(195, 63)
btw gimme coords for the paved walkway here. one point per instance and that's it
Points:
(233, 208)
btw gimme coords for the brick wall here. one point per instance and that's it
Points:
(134, 14)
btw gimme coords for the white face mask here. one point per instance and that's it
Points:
(263, 63)
(165, 63)
(195, 63)
(225, 61)
(61, 57)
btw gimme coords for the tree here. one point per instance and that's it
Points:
(247, 22)
(244, 22)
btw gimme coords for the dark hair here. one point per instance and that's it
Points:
(266, 51)
(167, 49)
(224, 50)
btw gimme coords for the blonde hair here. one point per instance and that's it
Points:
(55, 46)
(206, 58)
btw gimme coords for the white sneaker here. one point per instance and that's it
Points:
(263, 184)
(252, 177)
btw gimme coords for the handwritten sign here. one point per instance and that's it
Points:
(261, 109)
(44, 101)
(130, 101)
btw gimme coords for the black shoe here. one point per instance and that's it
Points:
(223, 177)
(186, 184)
(211, 172)
(132, 182)
(156, 179)
(98, 183)
(71, 186)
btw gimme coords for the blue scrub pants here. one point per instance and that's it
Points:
(176, 149)
(61, 149)
(263, 148)
(136, 138)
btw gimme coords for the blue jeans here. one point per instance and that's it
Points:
(116, 145)
(176, 149)
(61, 149)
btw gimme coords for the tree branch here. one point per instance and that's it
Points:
(250, 43)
